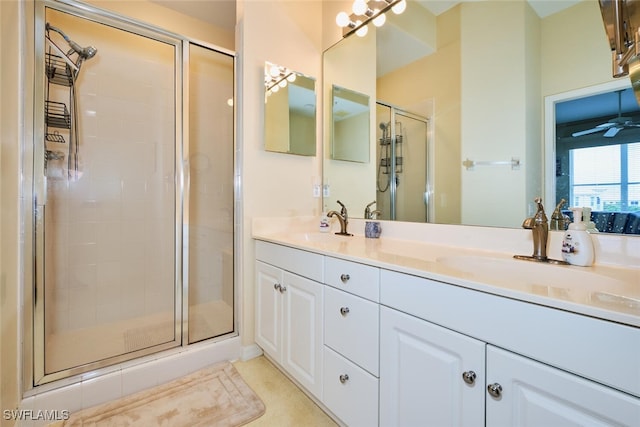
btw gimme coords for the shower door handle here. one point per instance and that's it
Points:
(38, 226)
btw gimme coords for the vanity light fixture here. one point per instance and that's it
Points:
(364, 11)
(276, 77)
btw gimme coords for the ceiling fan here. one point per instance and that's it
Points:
(613, 126)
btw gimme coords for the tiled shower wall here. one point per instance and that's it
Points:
(110, 228)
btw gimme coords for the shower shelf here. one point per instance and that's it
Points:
(58, 72)
(55, 137)
(387, 140)
(56, 115)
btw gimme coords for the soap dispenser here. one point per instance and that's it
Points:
(586, 218)
(324, 221)
(577, 246)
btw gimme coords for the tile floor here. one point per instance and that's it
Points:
(286, 404)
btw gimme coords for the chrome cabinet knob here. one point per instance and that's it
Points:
(345, 278)
(344, 378)
(344, 310)
(495, 390)
(277, 287)
(469, 377)
(283, 289)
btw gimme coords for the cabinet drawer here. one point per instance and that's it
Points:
(358, 279)
(303, 263)
(351, 327)
(349, 391)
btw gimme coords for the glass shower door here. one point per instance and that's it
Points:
(210, 194)
(108, 218)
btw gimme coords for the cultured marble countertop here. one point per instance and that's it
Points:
(607, 292)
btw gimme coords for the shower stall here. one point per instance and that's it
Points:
(133, 188)
(402, 182)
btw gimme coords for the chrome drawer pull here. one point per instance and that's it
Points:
(344, 378)
(344, 310)
(345, 278)
(495, 390)
(469, 377)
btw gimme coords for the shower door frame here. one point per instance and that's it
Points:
(35, 194)
(393, 111)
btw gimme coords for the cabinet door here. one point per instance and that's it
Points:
(268, 309)
(302, 331)
(429, 375)
(533, 394)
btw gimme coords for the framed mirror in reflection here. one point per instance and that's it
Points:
(479, 72)
(290, 111)
(350, 116)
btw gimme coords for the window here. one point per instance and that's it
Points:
(606, 178)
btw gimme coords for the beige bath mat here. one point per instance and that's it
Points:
(215, 396)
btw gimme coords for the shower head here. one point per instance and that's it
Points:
(83, 52)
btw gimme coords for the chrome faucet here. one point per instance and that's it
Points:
(539, 226)
(343, 218)
(369, 214)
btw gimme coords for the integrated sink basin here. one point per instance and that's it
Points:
(530, 273)
(318, 237)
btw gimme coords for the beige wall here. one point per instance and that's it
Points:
(350, 65)
(159, 16)
(9, 205)
(274, 184)
(585, 47)
(436, 93)
(494, 83)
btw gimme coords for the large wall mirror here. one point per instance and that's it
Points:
(475, 76)
(290, 111)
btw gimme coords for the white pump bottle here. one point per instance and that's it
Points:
(577, 246)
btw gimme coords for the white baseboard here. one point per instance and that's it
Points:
(250, 352)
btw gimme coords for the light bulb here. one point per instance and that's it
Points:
(274, 71)
(379, 20)
(291, 77)
(362, 31)
(399, 7)
(275, 88)
(282, 83)
(342, 19)
(359, 7)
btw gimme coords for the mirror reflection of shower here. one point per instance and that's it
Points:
(61, 118)
(401, 155)
(389, 142)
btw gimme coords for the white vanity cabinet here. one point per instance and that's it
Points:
(385, 348)
(528, 393)
(351, 338)
(429, 375)
(434, 334)
(289, 311)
